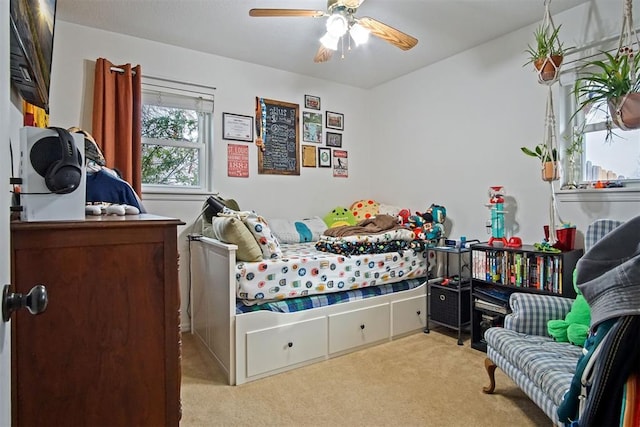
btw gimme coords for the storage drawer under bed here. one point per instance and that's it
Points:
(277, 347)
(358, 327)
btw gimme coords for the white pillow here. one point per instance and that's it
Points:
(300, 231)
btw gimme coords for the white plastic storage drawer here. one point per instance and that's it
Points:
(358, 327)
(408, 315)
(273, 348)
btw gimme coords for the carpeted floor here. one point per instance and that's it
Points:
(419, 380)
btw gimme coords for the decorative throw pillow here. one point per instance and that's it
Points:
(232, 230)
(364, 209)
(339, 216)
(258, 226)
(304, 230)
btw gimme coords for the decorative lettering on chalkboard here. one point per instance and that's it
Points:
(278, 124)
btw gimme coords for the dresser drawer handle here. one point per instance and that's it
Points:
(362, 326)
(418, 312)
(289, 344)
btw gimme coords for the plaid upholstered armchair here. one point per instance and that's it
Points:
(522, 348)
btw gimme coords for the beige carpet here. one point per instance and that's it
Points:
(419, 380)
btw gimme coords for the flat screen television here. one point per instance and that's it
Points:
(32, 25)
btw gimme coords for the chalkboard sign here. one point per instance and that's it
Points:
(277, 124)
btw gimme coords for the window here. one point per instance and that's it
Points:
(600, 157)
(176, 137)
(616, 158)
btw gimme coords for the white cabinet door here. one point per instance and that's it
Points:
(408, 315)
(358, 327)
(273, 348)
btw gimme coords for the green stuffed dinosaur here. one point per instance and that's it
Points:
(575, 326)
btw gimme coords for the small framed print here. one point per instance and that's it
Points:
(312, 127)
(312, 102)
(236, 127)
(334, 120)
(334, 139)
(309, 156)
(324, 157)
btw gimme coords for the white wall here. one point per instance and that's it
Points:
(458, 127)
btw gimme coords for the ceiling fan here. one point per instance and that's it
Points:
(341, 21)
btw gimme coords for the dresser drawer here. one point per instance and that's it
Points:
(358, 327)
(408, 315)
(274, 348)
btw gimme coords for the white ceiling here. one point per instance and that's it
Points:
(224, 27)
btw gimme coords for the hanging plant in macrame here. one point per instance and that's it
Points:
(614, 79)
(548, 53)
(625, 109)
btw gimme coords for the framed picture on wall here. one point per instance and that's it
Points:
(237, 127)
(312, 127)
(335, 120)
(312, 102)
(334, 139)
(309, 156)
(324, 157)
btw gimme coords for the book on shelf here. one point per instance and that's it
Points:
(518, 269)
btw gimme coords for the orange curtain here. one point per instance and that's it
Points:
(117, 111)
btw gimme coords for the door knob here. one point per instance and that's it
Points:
(35, 301)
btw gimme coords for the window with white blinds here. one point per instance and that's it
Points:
(177, 136)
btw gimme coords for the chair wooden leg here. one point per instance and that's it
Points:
(491, 370)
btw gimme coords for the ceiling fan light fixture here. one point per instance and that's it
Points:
(337, 25)
(359, 34)
(329, 41)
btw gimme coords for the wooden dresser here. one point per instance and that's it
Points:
(106, 352)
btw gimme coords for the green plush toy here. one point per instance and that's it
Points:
(575, 326)
(339, 216)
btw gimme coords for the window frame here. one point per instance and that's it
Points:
(170, 92)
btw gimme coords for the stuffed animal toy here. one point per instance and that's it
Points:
(403, 217)
(575, 326)
(364, 209)
(434, 223)
(416, 224)
(338, 217)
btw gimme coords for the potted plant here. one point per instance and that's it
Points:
(548, 158)
(548, 52)
(613, 82)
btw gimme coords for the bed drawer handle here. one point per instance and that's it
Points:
(289, 344)
(362, 326)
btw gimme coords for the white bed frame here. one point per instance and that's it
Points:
(254, 345)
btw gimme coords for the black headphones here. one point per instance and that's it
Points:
(59, 161)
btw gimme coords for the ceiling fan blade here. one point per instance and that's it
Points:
(352, 4)
(286, 12)
(323, 54)
(390, 34)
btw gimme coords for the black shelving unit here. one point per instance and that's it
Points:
(497, 272)
(449, 297)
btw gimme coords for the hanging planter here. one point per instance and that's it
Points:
(548, 68)
(547, 53)
(550, 171)
(548, 160)
(625, 111)
(614, 80)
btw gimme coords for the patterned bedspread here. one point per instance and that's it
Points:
(304, 271)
